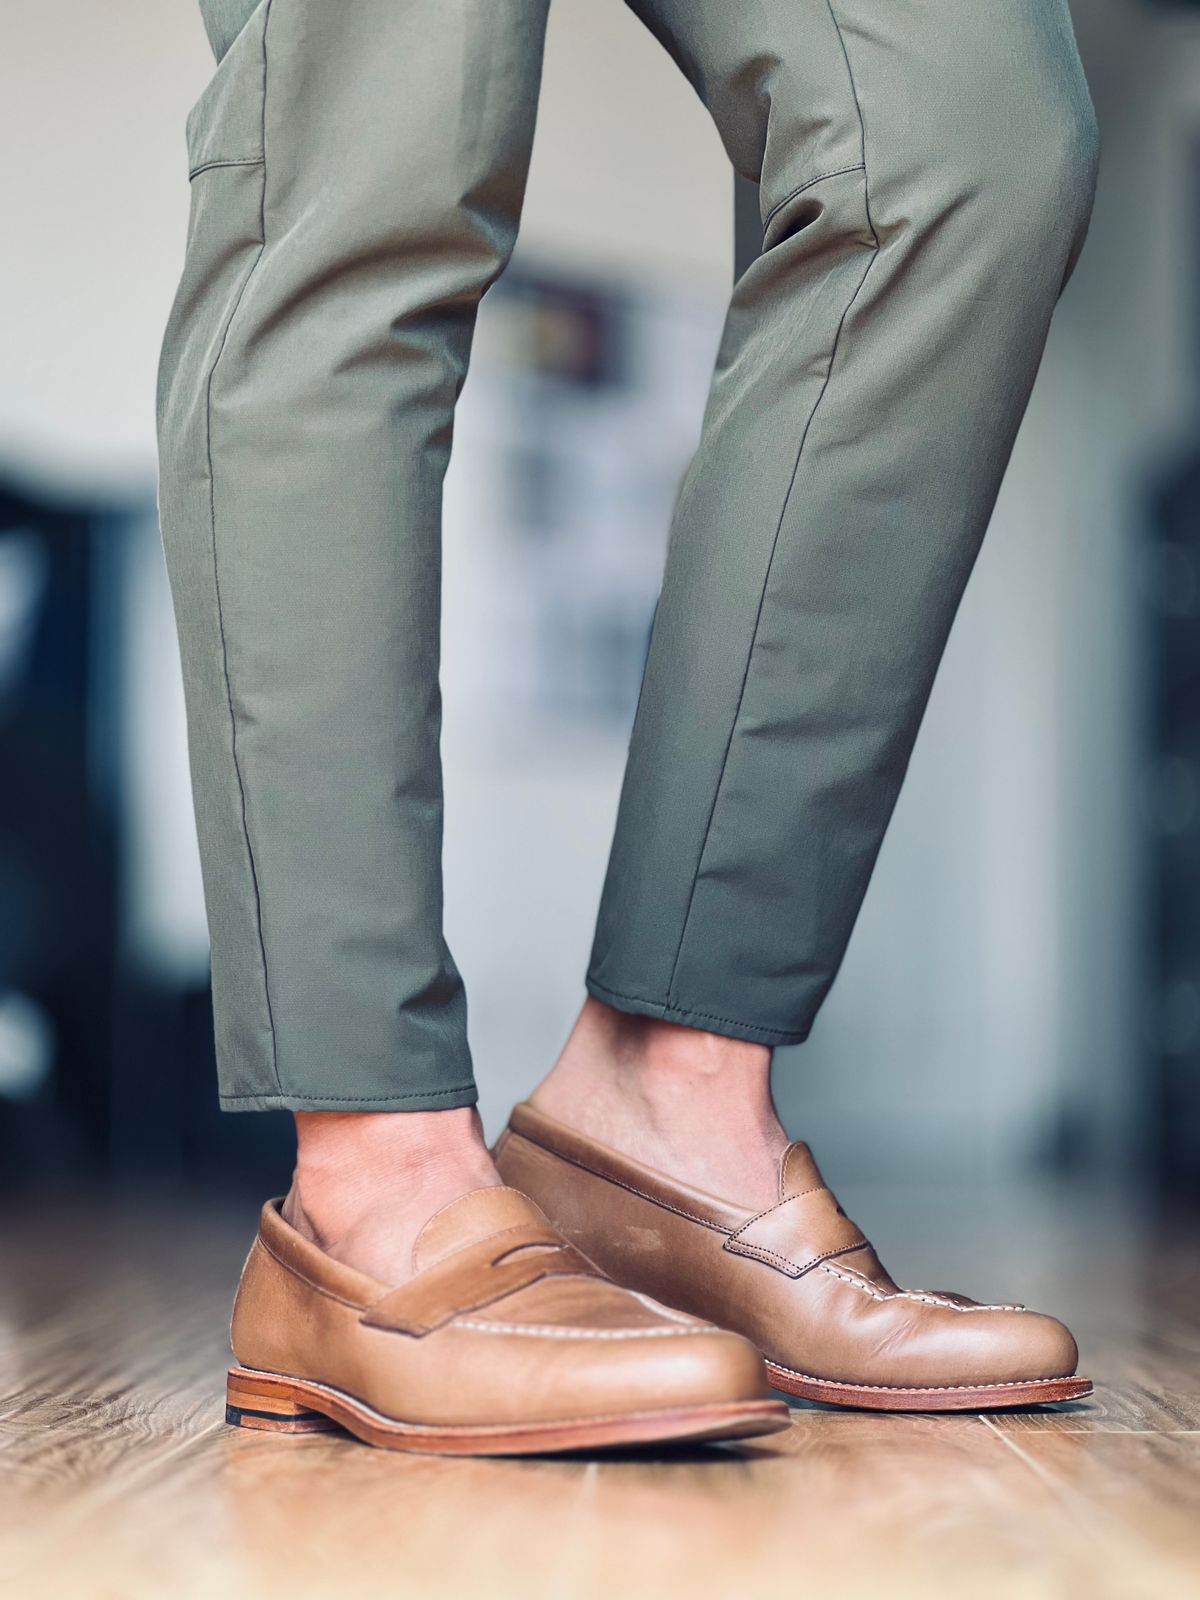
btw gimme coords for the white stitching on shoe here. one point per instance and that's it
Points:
(663, 1311)
(927, 1388)
(855, 1282)
(542, 1332)
(952, 1305)
(949, 1305)
(876, 1293)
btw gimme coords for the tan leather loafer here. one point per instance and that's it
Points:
(506, 1341)
(798, 1279)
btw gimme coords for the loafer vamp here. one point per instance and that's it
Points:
(505, 1324)
(798, 1279)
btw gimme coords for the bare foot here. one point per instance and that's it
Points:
(367, 1182)
(695, 1105)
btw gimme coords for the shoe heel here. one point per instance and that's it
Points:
(272, 1405)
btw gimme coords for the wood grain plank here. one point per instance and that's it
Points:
(1140, 1492)
(117, 1476)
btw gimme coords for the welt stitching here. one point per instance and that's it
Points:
(708, 1016)
(212, 515)
(225, 161)
(486, 1430)
(837, 339)
(924, 1388)
(837, 172)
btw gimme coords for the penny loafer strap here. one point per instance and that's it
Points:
(476, 1276)
(798, 1234)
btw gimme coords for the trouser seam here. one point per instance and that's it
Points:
(837, 338)
(862, 123)
(212, 509)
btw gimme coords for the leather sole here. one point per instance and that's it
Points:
(960, 1397)
(276, 1404)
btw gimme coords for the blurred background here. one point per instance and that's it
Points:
(1022, 995)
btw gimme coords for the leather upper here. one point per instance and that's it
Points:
(799, 1279)
(502, 1322)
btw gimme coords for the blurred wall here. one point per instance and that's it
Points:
(92, 106)
(991, 1013)
(990, 1008)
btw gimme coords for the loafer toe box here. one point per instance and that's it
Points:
(988, 1345)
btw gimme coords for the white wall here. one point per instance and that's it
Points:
(93, 98)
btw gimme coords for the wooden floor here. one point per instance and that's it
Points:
(118, 1477)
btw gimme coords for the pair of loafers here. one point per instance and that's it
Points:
(594, 1302)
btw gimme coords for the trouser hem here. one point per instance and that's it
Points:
(731, 1027)
(465, 1094)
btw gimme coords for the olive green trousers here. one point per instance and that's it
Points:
(926, 170)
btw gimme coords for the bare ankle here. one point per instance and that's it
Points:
(659, 1050)
(366, 1182)
(660, 1066)
(698, 1104)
